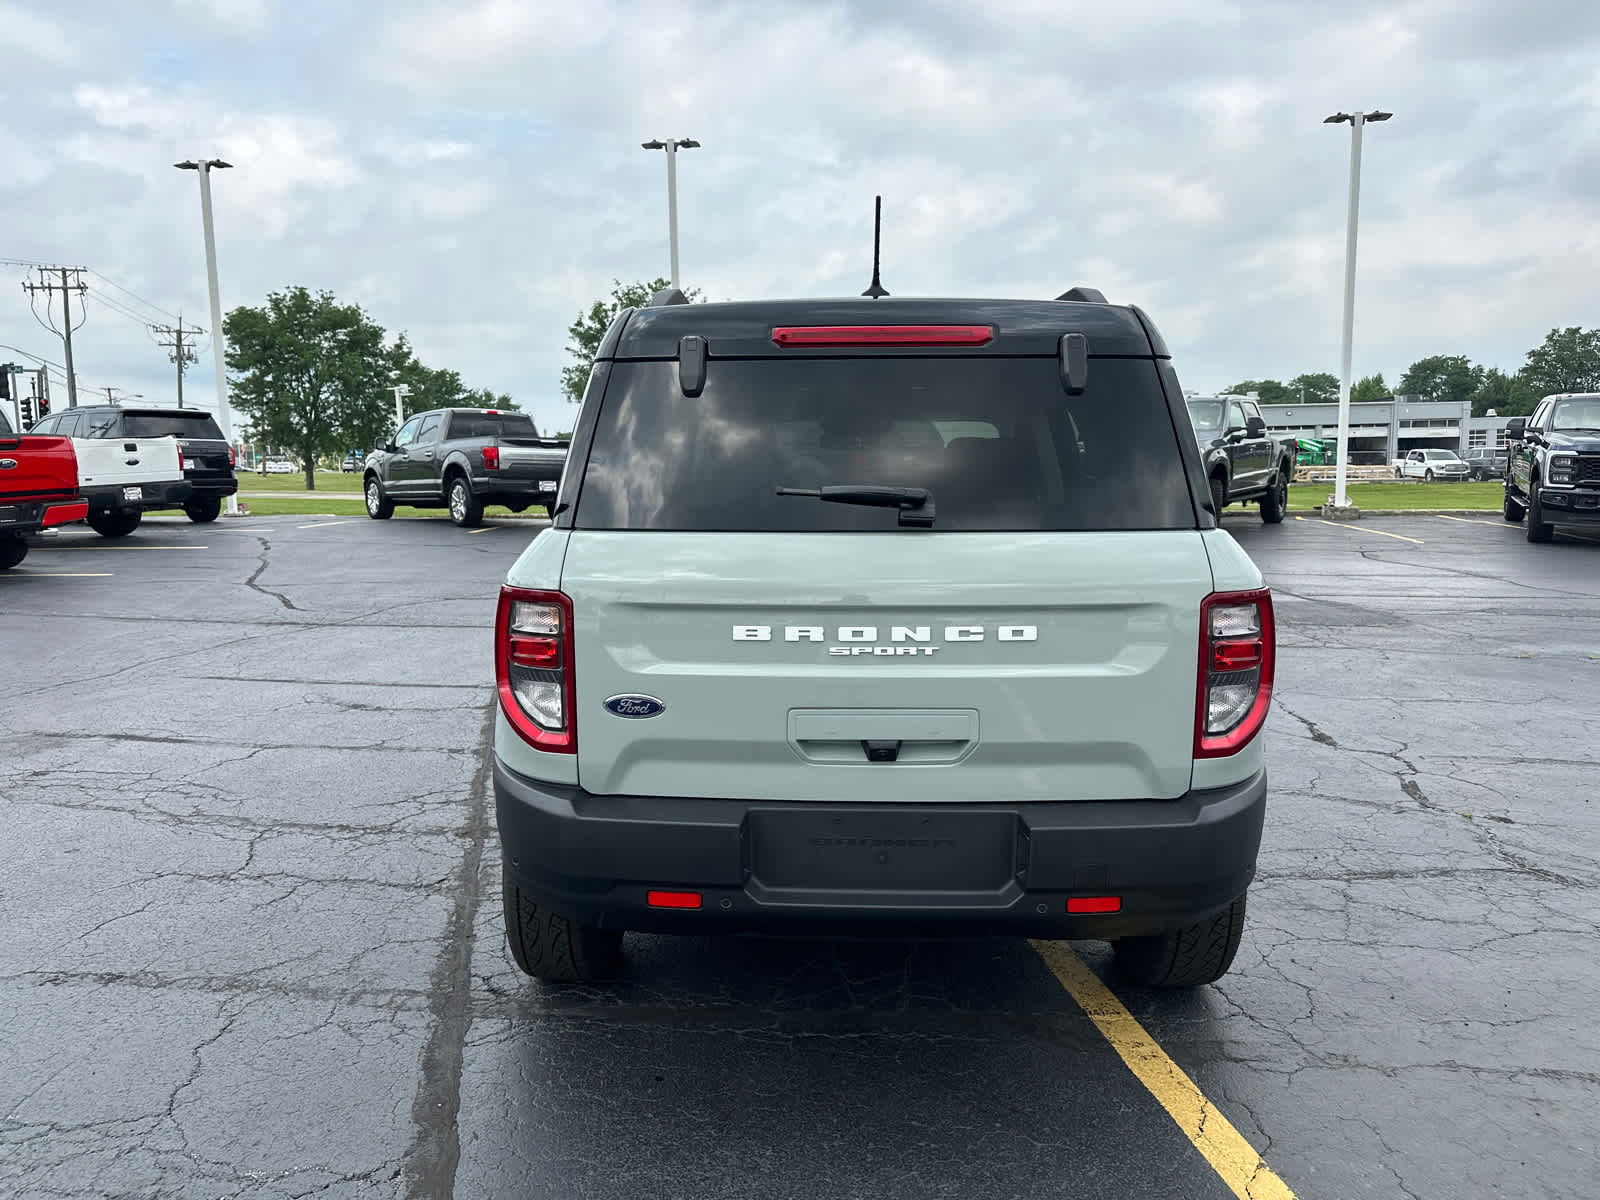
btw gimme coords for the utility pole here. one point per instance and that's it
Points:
(180, 345)
(49, 287)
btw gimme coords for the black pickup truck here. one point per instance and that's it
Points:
(463, 459)
(1553, 477)
(1242, 463)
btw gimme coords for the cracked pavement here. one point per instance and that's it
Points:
(251, 941)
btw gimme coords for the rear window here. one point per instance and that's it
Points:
(184, 425)
(486, 425)
(996, 440)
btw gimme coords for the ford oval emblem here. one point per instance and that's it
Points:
(635, 708)
(7, 463)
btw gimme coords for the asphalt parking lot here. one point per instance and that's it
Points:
(251, 945)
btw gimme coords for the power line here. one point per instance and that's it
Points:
(155, 308)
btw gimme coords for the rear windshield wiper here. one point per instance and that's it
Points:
(915, 504)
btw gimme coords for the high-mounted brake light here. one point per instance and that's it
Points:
(491, 458)
(1237, 653)
(533, 667)
(810, 336)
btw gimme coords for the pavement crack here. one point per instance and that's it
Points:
(435, 1151)
(266, 549)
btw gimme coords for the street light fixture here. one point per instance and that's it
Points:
(1356, 120)
(204, 167)
(672, 146)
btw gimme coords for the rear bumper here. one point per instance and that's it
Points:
(167, 493)
(502, 489)
(32, 516)
(213, 484)
(807, 868)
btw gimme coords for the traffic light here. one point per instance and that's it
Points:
(27, 412)
(5, 380)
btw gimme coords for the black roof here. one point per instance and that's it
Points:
(743, 329)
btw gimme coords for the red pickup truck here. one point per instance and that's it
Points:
(38, 487)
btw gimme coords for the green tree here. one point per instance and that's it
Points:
(304, 369)
(589, 330)
(1567, 361)
(1269, 391)
(484, 398)
(1371, 388)
(1442, 377)
(1508, 395)
(1320, 388)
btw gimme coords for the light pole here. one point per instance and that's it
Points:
(401, 391)
(204, 167)
(1340, 499)
(672, 146)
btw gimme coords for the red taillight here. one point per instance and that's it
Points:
(182, 466)
(1237, 652)
(1094, 904)
(534, 669)
(491, 458)
(673, 899)
(233, 459)
(802, 336)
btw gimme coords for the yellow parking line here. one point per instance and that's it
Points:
(485, 529)
(321, 524)
(1475, 521)
(1224, 1147)
(1356, 529)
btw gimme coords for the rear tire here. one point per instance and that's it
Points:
(465, 508)
(116, 522)
(549, 947)
(1219, 497)
(1276, 502)
(1187, 957)
(204, 510)
(379, 506)
(13, 549)
(1427, 477)
(1539, 530)
(1511, 509)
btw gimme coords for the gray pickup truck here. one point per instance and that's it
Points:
(1242, 463)
(463, 459)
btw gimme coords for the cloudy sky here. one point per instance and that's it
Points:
(470, 171)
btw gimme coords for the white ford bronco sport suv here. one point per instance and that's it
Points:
(882, 616)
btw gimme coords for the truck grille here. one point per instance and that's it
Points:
(1587, 469)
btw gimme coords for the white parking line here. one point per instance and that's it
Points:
(485, 529)
(1474, 521)
(56, 574)
(1357, 529)
(54, 548)
(321, 524)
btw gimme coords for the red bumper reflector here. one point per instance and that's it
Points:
(1094, 904)
(60, 514)
(802, 336)
(673, 899)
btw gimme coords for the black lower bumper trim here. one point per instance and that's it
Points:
(910, 869)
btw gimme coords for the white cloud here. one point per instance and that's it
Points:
(242, 17)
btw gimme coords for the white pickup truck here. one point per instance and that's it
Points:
(121, 478)
(1429, 465)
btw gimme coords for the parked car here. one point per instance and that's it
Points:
(1242, 464)
(463, 459)
(1554, 472)
(1443, 466)
(352, 463)
(122, 474)
(882, 619)
(1485, 463)
(38, 488)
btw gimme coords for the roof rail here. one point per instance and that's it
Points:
(667, 295)
(1084, 295)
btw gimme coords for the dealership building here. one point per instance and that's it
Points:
(1384, 430)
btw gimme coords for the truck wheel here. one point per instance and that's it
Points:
(1219, 496)
(1538, 529)
(13, 549)
(204, 510)
(1276, 502)
(1512, 510)
(1187, 957)
(379, 506)
(465, 509)
(1399, 474)
(552, 948)
(116, 522)
(1427, 477)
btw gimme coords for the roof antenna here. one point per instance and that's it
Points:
(877, 289)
